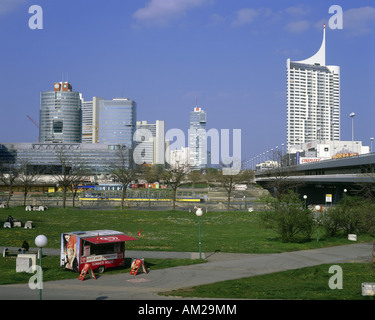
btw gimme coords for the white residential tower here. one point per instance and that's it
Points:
(313, 99)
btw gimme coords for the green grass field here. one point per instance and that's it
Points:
(309, 283)
(236, 232)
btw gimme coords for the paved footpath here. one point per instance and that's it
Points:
(220, 267)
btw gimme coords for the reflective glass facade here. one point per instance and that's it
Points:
(117, 121)
(97, 158)
(197, 139)
(60, 117)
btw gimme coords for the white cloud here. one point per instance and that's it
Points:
(300, 10)
(7, 6)
(216, 19)
(359, 21)
(160, 12)
(297, 26)
(245, 16)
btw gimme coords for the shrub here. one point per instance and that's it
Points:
(331, 221)
(351, 215)
(288, 217)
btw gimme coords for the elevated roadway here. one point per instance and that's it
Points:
(317, 179)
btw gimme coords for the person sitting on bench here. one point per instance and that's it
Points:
(10, 220)
(25, 247)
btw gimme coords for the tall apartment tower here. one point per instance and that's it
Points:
(117, 121)
(313, 99)
(198, 139)
(90, 120)
(60, 115)
(151, 137)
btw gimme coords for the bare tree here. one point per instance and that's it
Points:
(195, 176)
(281, 183)
(153, 173)
(123, 170)
(174, 179)
(9, 176)
(62, 176)
(78, 174)
(229, 181)
(366, 188)
(28, 178)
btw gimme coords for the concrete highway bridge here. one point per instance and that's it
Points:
(324, 180)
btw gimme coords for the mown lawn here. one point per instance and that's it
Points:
(310, 283)
(236, 232)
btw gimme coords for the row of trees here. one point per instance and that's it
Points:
(71, 171)
(175, 177)
(17, 175)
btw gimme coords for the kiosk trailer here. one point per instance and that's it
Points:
(100, 249)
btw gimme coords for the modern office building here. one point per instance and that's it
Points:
(117, 121)
(313, 99)
(90, 114)
(198, 139)
(44, 157)
(60, 115)
(150, 142)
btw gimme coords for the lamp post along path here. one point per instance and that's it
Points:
(352, 116)
(40, 241)
(199, 213)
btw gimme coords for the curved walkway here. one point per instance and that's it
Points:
(219, 267)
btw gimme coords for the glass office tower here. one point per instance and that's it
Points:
(117, 121)
(198, 139)
(60, 115)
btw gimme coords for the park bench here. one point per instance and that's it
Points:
(29, 225)
(35, 208)
(16, 252)
(39, 208)
(16, 223)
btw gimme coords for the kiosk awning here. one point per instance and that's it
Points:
(109, 238)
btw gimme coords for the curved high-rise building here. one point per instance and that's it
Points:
(313, 99)
(60, 119)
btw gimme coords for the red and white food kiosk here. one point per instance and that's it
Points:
(100, 249)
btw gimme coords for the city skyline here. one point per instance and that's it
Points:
(230, 57)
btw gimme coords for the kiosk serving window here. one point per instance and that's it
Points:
(90, 249)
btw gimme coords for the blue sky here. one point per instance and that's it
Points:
(229, 56)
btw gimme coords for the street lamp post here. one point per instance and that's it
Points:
(371, 139)
(317, 209)
(352, 116)
(148, 189)
(199, 213)
(305, 197)
(40, 241)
